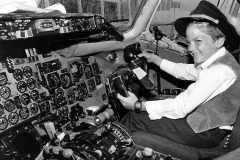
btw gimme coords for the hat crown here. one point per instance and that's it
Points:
(207, 10)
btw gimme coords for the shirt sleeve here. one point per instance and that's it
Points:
(179, 70)
(210, 83)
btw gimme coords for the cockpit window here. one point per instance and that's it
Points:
(121, 13)
(170, 10)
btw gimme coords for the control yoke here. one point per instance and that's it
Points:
(137, 66)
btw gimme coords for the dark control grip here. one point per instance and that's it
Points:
(120, 86)
(100, 118)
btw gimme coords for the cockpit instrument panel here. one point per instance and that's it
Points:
(48, 85)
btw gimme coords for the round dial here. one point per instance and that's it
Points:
(27, 71)
(34, 108)
(1, 110)
(91, 85)
(66, 80)
(96, 69)
(98, 79)
(82, 91)
(71, 96)
(59, 93)
(9, 105)
(64, 110)
(34, 94)
(3, 123)
(3, 79)
(21, 86)
(24, 113)
(54, 80)
(18, 74)
(88, 71)
(25, 99)
(77, 71)
(31, 83)
(5, 92)
(13, 118)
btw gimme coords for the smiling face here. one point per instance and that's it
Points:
(201, 45)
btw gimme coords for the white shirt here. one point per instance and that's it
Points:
(209, 82)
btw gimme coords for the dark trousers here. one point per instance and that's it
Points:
(177, 130)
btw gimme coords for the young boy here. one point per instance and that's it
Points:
(202, 114)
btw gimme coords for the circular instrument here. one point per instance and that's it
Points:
(3, 79)
(34, 108)
(31, 83)
(5, 92)
(27, 71)
(21, 86)
(3, 123)
(24, 113)
(18, 74)
(34, 94)
(9, 105)
(25, 99)
(13, 118)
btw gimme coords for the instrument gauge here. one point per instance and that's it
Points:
(18, 74)
(59, 93)
(91, 85)
(54, 80)
(25, 98)
(5, 92)
(98, 80)
(64, 110)
(13, 118)
(3, 123)
(1, 110)
(9, 105)
(27, 71)
(66, 80)
(88, 71)
(34, 94)
(24, 113)
(34, 108)
(31, 83)
(77, 71)
(71, 96)
(3, 79)
(96, 69)
(21, 86)
(82, 91)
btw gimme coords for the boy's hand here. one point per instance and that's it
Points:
(128, 102)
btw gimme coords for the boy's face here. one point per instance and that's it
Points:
(200, 45)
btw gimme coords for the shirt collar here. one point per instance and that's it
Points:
(221, 52)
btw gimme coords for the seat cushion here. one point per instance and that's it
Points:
(176, 150)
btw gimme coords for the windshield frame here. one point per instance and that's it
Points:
(133, 22)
